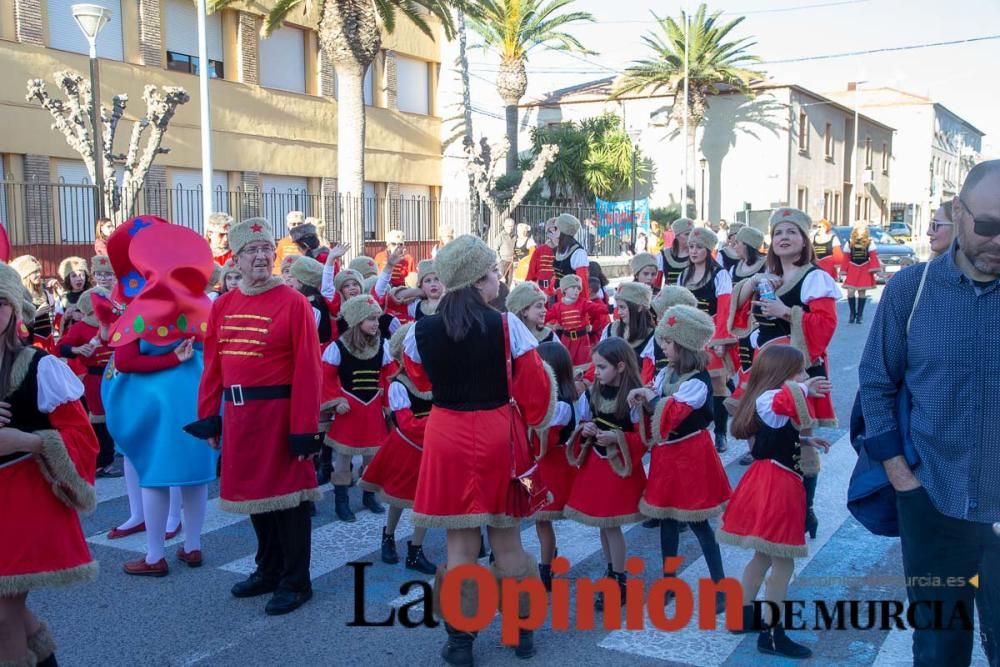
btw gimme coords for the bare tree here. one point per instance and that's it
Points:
(484, 163)
(72, 118)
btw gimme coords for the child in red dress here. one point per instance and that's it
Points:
(393, 471)
(768, 508)
(607, 446)
(541, 267)
(571, 317)
(356, 371)
(860, 264)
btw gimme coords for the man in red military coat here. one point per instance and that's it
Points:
(262, 359)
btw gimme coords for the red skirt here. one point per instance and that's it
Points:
(859, 276)
(558, 475)
(394, 470)
(725, 365)
(686, 480)
(602, 498)
(767, 512)
(465, 470)
(578, 348)
(360, 430)
(831, 266)
(92, 392)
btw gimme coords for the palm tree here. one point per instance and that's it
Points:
(350, 34)
(513, 28)
(715, 63)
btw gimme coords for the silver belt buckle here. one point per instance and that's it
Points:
(237, 393)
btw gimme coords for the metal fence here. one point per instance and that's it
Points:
(55, 220)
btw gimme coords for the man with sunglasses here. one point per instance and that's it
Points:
(945, 352)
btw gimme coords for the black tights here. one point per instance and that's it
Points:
(670, 541)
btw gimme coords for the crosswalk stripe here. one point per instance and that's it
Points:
(691, 645)
(215, 519)
(897, 649)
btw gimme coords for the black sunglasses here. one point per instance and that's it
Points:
(982, 226)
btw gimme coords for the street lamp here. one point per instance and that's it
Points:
(633, 134)
(92, 19)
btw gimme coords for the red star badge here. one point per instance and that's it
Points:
(671, 321)
(256, 228)
(786, 213)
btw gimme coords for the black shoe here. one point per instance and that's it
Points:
(721, 444)
(746, 459)
(651, 523)
(389, 555)
(457, 651)
(599, 598)
(417, 560)
(774, 641)
(284, 602)
(812, 522)
(342, 504)
(312, 507)
(749, 623)
(545, 574)
(482, 547)
(48, 662)
(525, 644)
(372, 505)
(253, 586)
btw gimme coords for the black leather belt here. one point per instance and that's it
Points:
(573, 335)
(238, 394)
(544, 284)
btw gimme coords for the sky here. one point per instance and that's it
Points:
(962, 77)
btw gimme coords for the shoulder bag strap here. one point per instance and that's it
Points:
(916, 299)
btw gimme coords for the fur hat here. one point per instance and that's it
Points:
(369, 284)
(523, 296)
(218, 222)
(86, 304)
(360, 308)
(464, 261)
(227, 268)
(735, 226)
(364, 265)
(793, 215)
(567, 224)
(570, 280)
(682, 226)
(750, 236)
(216, 276)
(100, 263)
(249, 230)
(11, 289)
(673, 295)
(25, 265)
(641, 261)
(72, 265)
(637, 293)
(288, 261)
(344, 276)
(396, 341)
(295, 218)
(704, 237)
(686, 326)
(303, 230)
(425, 268)
(308, 271)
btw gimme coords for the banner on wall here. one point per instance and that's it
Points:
(614, 218)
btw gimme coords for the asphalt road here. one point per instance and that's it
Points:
(189, 618)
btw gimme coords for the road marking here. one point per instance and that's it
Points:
(897, 649)
(109, 488)
(215, 519)
(694, 646)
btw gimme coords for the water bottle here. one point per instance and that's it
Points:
(765, 290)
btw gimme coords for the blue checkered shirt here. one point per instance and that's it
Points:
(950, 362)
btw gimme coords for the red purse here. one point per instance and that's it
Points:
(528, 493)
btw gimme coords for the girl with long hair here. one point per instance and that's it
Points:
(607, 446)
(571, 257)
(231, 277)
(549, 449)
(768, 507)
(860, 264)
(687, 483)
(356, 372)
(75, 281)
(829, 255)
(527, 303)
(394, 469)
(673, 260)
(475, 440)
(634, 321)
(423, 297)
(306, 276)
(653, 358)
(47, 306)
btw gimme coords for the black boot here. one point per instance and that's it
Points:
(774, 641)
(457, 650)
(372, 505)
(389, 555)
(324, 466)
(749, 623)
(862, 300)
(545, 574)
(651, 523)
(852, 303)
(812, 523)
(342, 504)
(721, 423)
(482, 546)
(599, 598)
(525, 644)
(417, 560)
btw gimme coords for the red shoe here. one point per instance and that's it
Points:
(192, 559)
(171, 534)
(118, 533)
(141, 568)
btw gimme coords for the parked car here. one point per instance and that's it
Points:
(901, 231)
(892, 254)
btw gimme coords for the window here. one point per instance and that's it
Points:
(885, 158)
(414, 210)
(828, 142)
(803, 131)
(186, 198)
(827, 205)
(281, 194)
(66, 35)
(803, 199)
(283, 60)
(868, 152)
(411, 79)
(835, 217)
(181, 23)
